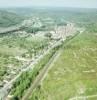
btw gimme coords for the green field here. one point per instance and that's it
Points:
(74, 73)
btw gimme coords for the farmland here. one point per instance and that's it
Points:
(74, 73)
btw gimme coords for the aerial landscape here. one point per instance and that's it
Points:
(48, 50)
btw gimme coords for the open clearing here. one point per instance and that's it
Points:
(74, 74)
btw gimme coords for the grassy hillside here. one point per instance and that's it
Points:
(74, 73)
(9, 19)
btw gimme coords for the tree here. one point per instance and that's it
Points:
(49, 35)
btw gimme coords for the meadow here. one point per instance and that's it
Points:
(74, 73)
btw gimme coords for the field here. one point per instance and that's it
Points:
(74, 74)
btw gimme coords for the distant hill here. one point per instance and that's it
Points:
(9, 19)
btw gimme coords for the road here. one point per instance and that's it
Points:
(5, 90)
(41, 75)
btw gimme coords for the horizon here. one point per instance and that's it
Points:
(45, 7)
(48, 3)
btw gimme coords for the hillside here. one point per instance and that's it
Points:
(8, 19)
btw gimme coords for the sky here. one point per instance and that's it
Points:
(51, 3)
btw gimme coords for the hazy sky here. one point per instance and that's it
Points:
(60, 3)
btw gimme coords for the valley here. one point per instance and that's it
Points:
(48, 55)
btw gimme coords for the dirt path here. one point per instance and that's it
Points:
(41, 76)
(83, 97)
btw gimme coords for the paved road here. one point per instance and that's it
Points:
(5, 90)
(41, 76)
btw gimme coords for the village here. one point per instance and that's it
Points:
(58, 33)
